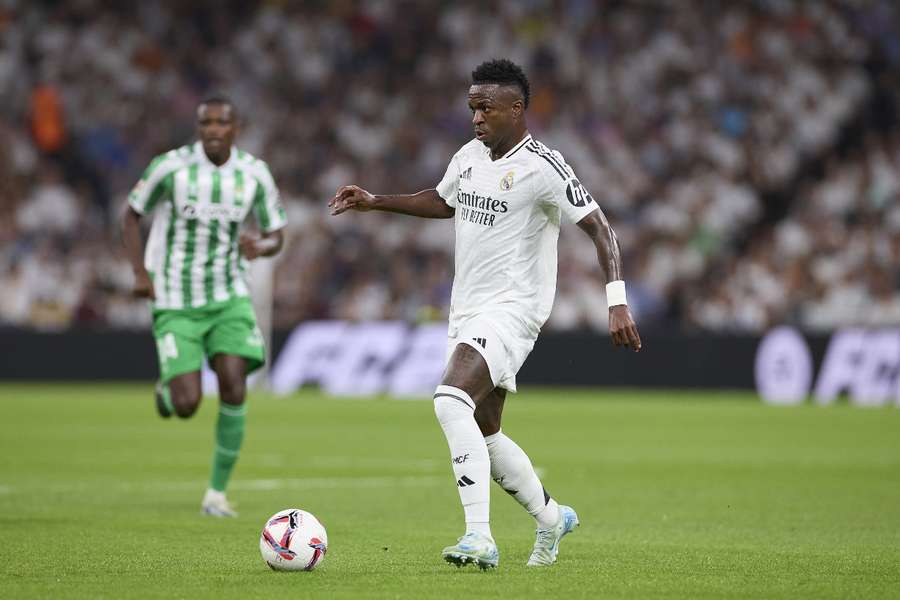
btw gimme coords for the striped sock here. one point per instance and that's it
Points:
(229, 435)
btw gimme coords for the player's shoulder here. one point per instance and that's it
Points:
(470, 148)
(538, 151)
(546, 159)
(253, 164)
(169, 161)
(248, 160)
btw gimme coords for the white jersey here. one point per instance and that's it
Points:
(192, 253)
(507, 226)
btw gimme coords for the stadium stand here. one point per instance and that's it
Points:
(749, 159)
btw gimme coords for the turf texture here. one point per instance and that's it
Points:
(680, 495)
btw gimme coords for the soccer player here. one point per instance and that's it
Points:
(507, 193)
(194, 274)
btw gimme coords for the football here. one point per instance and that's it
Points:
(293, 540)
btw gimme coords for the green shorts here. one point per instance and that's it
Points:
(183, 337)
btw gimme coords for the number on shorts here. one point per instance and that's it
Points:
(167, 347)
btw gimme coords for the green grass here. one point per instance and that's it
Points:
(687, 495)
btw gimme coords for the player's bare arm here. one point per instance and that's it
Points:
(134, 247)
(427, 203)
(267, 244)
(622, 327)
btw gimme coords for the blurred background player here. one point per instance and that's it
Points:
(507, 193)
(194, 274)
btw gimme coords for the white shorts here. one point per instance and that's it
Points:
(501, 338)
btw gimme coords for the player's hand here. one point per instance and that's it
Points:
(351, 197)
(248, 246)
(143, 285)
(623, 329)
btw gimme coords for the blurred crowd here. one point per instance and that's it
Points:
(680, 118)
(834, 260)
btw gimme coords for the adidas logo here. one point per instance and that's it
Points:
(464, 481)
(467, 174)
(481, 342)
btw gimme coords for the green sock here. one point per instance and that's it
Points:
(229, 435)
(166, 397)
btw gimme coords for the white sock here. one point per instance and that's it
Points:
(213, 496)
(549, 515)
(512, 470)
(455, 412)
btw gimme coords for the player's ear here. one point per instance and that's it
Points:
(518, 109)
(237, 120)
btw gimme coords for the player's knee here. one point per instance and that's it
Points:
(489, 412)
(441, 409)
(488, 422)
(451, 404)
(185, 404)
(184, 412)
(233, 390)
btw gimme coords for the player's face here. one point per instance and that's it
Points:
(496, 111)
(216, 128)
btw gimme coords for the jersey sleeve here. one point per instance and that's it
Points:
(267, 206)
(558, 186)
(446, 189)
(152, 186)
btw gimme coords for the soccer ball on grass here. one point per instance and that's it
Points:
(293, 540)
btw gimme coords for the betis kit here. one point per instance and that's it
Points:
(202, 301)
(507, 220)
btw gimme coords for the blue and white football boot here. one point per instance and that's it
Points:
(546, 544)
(473, 548)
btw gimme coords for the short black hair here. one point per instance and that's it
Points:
(503, 72)
(220, 99)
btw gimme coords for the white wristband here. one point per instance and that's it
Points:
(615, 293)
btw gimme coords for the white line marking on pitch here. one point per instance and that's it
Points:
(425, 464)
(303, 483)
(328, 482)
(343, 462)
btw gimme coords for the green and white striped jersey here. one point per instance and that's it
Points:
(192, 253)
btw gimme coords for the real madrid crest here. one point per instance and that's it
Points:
(507, 181)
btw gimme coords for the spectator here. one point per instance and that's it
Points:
(677, 118)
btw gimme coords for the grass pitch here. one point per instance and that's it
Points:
(680, 496)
